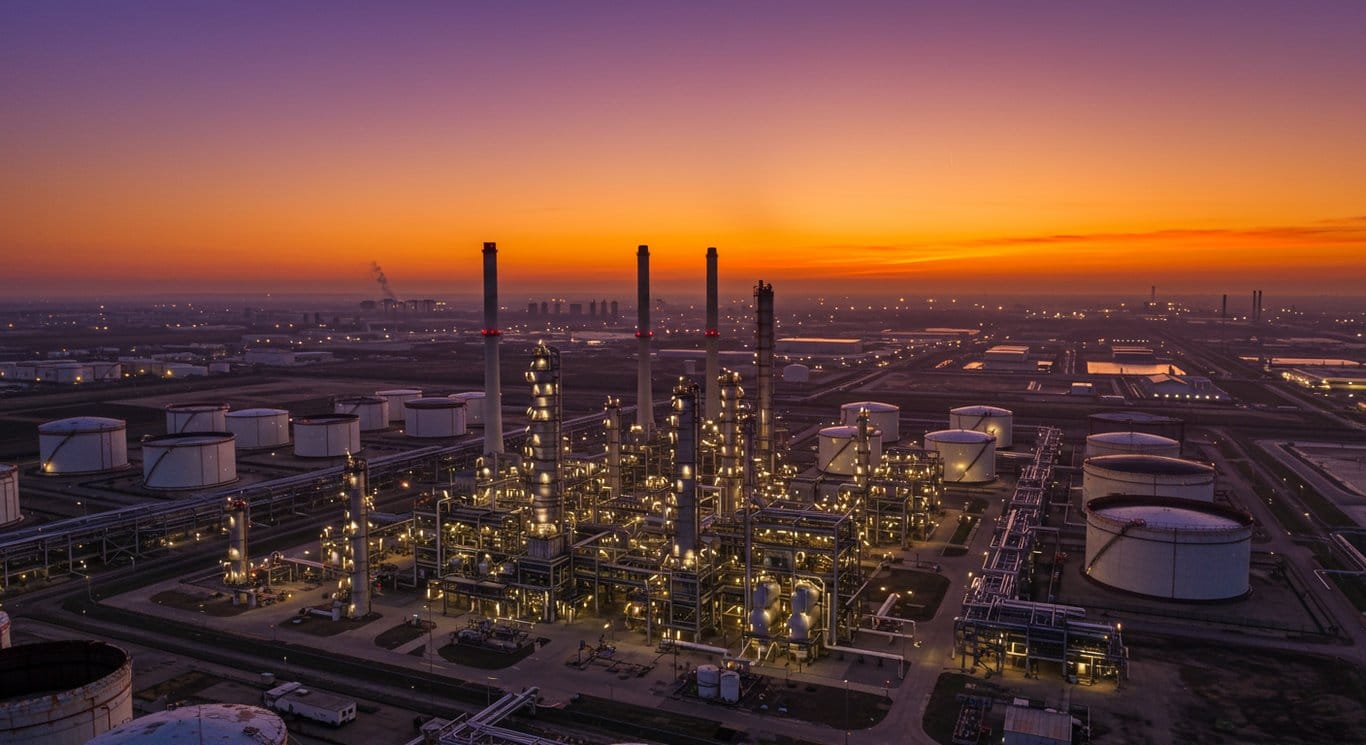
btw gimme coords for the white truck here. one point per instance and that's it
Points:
(294, 698)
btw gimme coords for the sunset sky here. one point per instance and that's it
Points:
(283, 146)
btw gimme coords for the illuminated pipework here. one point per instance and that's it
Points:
(611, 424)
(543, 441)
(354, 585)
(686, 429)
(763, 358)
(730, 469)
(645, 410)
(712, 410)
(493, 386)
(239, 517)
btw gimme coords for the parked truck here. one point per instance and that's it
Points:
(294, 698)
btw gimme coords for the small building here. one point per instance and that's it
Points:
(1008, 358)
(1029, 726)
(1184, 387)
(293, 698)
(809, 346)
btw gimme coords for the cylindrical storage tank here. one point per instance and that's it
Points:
(837, 451)
(1146, 475)
(730, 687)
(219, 724)
(767, 593)
(9, 495)
(372, 410)
(4, 630)
(259, 428)
(474, 407)
(797, 374)
(1137, 421)
(397, 397)
(327, 436)
(196, 417)
(799, 627)
(65, 372)
(435, 417)
(759, 621)
(968, 456)
(106, 371)
(708, 681)
(1168, 548)
(83, 444)
(805, 597)
(63, 693)
(189, 460)
(885, 418)
(1131, 443)
(991, 420)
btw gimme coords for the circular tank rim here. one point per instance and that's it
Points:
(960, 436)
(1131, 438)
(261, 413)
(321, 420)
(185, 439)
(358, 400)
(82, 425)
(1143, 463)
(1243, 520)
(400, 392)
(873, 407)
(48, 648)
(1135, 416)
(7, 469)
(198, 406)
(201, 723)
(981, 410)
(467, 395)
(847, 431)
(434, 403)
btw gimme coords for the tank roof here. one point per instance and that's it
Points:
(7, 468)
(78, 424)
(320, 419)
(971, 436)
(467, 395)
(1133, 416)
(1154, 464)
(208, 724)
(847, 431)
(248, 413)
(871, 406)
(198, 406)
(981, 410)
(1132, 438)
(434, 403)
(399, 392)
(182, 439)
(1170, 513)
(359, 400)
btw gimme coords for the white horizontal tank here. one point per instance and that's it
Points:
(968, 456)
(991, 420)
(1146, 475)
(196, 417)
(327, 436)
(434, 418)
(474, 407)
(1168, 548)
(886, 418)
(372, 410)
(189, 460)
(1131, 443)
(837, 449)
(63, 692)
(797, 373)
(83, 444)
(397, 397)
(259, 428)
(9, 495)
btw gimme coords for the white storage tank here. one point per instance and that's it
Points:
(708, 681)
(259, 428)
(799, 627)
(434, 417)
(327, 436)
(218, 724)
(196, 417)
(474, 407)
(730, 687)
(767, 593)
(64, 372)
(968, 456)
(1168, 548)
(189, 460)
(837, 450)
(760, 619)
(372, 410)
(397, 397)
(4, 630)
(886, 418)
(796, 373)
(805, 597)
(991, 420)
(1131, 443)
(104, 371)
(1146, 475)
(64, 692)
(83, 444)
(9, 495)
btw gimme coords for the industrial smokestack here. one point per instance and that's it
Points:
(354, 585)
(763, 358)
(543, 441)
(1255, 302)
(713, 340)
(686, 524)
(1223, 308)
(493, 386)
(645, 410)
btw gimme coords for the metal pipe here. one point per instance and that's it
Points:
(645, 410)
(685, 470)
(543, 440)
(763, 301)
(493, 387)
(712, 409)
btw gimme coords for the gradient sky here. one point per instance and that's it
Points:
(1202, 146)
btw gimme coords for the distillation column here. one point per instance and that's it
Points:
(686, 423)
(730, 470)
(863, 457)
(763, 358)
(645, 410)
(543, 441)
(713, 341)
(493, 386)
(239, 516)
(354, 584)
(611, 423)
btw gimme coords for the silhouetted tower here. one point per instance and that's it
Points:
(645, 411)
(713, 341)
(763, 358)
(493, 386)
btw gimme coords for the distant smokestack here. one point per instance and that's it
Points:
(686, 524)
(1223, 308)
(1255, 299)
(1153, 296)
(543, 441)
(493, 386)
(355, 579)
(645, 410)
(763, 358)
(713, 340)
(1261, 306)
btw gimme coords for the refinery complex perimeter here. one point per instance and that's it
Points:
(964, 528)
